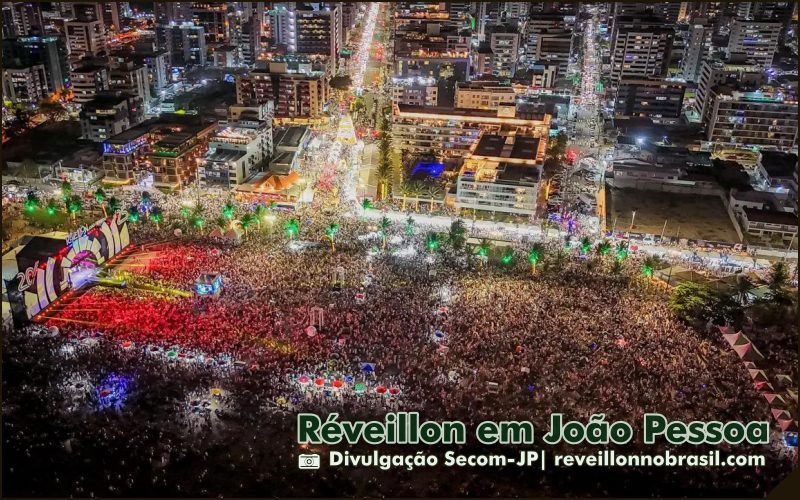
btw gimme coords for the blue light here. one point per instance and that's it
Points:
(112, 392)
(433, 170)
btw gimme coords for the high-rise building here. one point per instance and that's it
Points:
(656, 99)
(235, 149)
(25, 84)
(167, 12)
(185, 43)
(698, 48)
(757, 39)
(296, 95)
(213, 18)
(319, 31)
(498, 55)
(766, 117)
(130, 78)
(716, 72)
(110, 114)
(50, 51)
(640, 47)
(86, 38)
(485, 95)
(88, 81)
(21, 19)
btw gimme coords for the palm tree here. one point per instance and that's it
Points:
(366, 204)
(229, 210)
(622, 251)
(247, 221)
(604, 247)
(222, 223)
(156, 216)
(649, 266)
(586, 245)
(415, 191)
(32, 202)
(535, 255)
(100, 198)
(384, 174)
(432, 192)
(330, 233)
(74, 206)
(508, 256)
(52, 207)
(456, 234)
(133, 214)
(66, 189)
(616, 267)
(405, 192)
(260, 212)
(743, 288)
(777, 282)
(112, 205)
(432, 242)
(483, 248)
(198, 221)
(383, 228)
(292, 228)
(409, 228)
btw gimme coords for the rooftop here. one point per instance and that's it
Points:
(778, 164)
(507, 147)
(770, 217)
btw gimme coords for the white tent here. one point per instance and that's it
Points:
(748, 352)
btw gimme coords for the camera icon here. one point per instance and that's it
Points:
(310, 461)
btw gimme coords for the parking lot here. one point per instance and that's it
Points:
(686, 215)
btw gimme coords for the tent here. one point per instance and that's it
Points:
(771, 397)
(757, 375)
(216, 233)
(749, 364)
(726, 330)
(735, 339)
(748, 352)
(787, 425)
(783, 379)
(777, 413)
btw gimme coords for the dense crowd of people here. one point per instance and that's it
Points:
(158, 392)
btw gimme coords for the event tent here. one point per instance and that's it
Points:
(748, 352)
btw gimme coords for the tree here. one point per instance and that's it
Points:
(743, 288)
(649, 266)
(457, 234)
(432, 192)
(260, 213)
(777, 283)
(229, 210)
(185, 212)
(32, 202)
(557, 147)
(383, 229)
(622, 251)
(113, 205)
(74, 205)
(604, 247)
(432, 242)
(586, 245)
(222, 223)
(66, 189)
(100, 198)
(693, 302)
(247, 221)
(483, 248)
(292, 228)
(52, 207)
(366, 204)
(330, 233)
(508, 256)
(405, 192)
(535, 254)
(415, 191)
(616, 267)
(340, 82)
(133, 214)
(409, 227)
(156, 216)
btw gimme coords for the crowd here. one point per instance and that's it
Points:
(567, 340)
